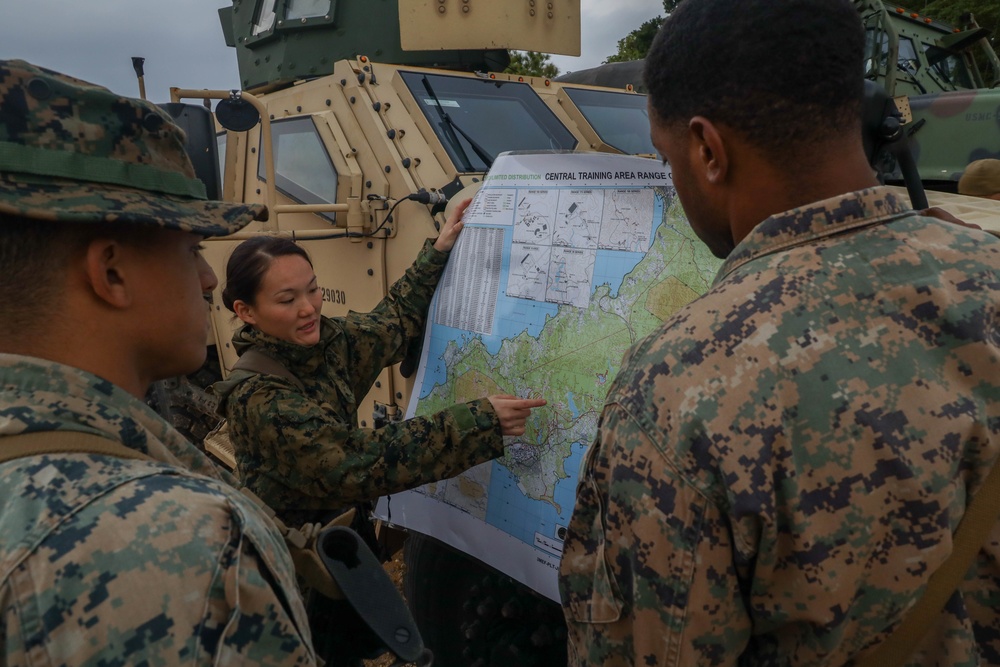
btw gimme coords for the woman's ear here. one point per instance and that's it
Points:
(244, 311)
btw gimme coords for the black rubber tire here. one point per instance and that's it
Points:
(471, 615)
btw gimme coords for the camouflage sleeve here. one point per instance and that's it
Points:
(305, 450)
(383, 336)
(165, 569)
(647, 575)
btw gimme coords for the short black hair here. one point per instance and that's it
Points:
(782, 73)
(250, 261)
(35, 254)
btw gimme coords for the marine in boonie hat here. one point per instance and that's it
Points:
(981, 179)
(73, 151)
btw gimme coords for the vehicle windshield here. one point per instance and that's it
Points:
(477, 119)
(951, 67)
(877, 53)
(620, 119)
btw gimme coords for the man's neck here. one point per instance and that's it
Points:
(771, 191)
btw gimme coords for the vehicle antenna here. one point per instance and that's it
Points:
(137, 66)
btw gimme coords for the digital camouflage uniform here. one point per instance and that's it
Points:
(304, 451)
(779, 469)
(106, 560)
(109, 561)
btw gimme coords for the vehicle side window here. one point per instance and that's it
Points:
(306, 9)
(220, 141)
(907, 58)
(620, 119)
(302, 168)
(265, 17)
(876, 48)
(877, 53)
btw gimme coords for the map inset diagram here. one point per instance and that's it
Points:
(529, 271)
(628, 218)
(535, 217)
(557, 234)
(571, 272)
(578, 222)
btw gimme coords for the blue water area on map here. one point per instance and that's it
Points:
(612, 266)
(571, 404)
(513, 512)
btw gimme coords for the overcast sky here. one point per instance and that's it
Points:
(183, 45)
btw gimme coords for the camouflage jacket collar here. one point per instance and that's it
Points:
(41, 395)
(819, 220)
(303, 361)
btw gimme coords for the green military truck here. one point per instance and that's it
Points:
(354, 121)
(945, 80)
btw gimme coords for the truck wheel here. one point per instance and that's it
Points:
(471, 615)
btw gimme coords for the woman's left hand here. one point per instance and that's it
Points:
(449, 233)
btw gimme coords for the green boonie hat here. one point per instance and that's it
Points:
(75, 152)
(980, 179)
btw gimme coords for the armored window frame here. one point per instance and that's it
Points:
(608, 112)
(299, 10)
(298, 177)
(265, 17)
(220, 142)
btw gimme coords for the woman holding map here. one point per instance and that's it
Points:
(293, 424)
(292, 410)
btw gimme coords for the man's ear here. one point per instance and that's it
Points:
(709, 151)
(107, 274)
(244, 311)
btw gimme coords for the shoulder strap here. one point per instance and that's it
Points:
(974, 528)
(63, 442)
(259, 362)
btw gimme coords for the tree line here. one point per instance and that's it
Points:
(635, 44)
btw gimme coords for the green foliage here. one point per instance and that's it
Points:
(531, 63)
(987, 13)
(636, 44)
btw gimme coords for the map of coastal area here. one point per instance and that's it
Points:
(586, 272)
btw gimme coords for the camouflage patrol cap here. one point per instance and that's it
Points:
(980, 179)
(76, 152)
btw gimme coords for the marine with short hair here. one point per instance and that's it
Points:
(779, 469)
(107, 560)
